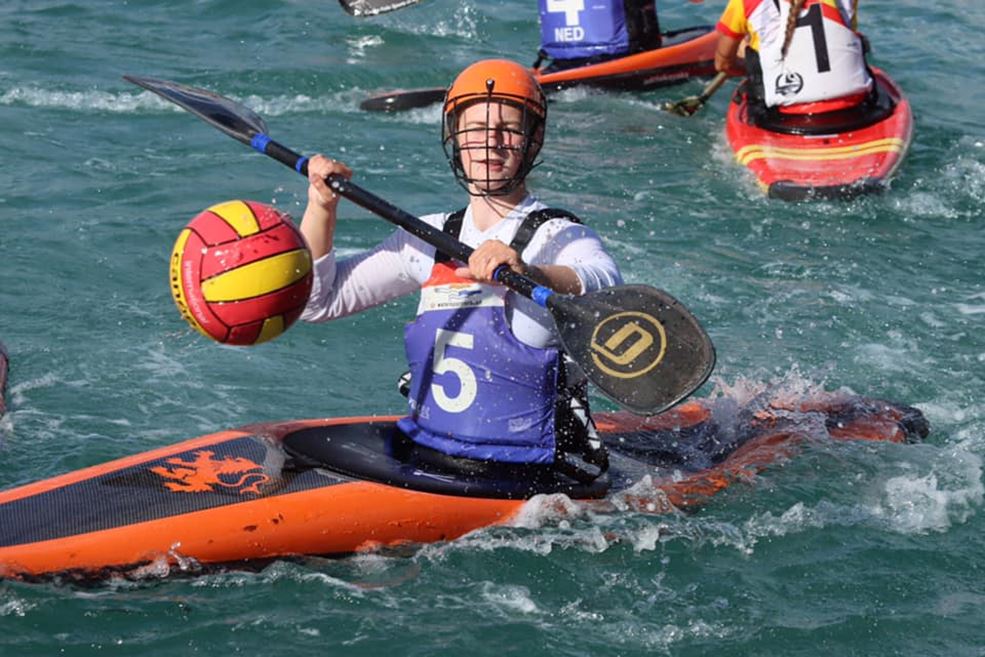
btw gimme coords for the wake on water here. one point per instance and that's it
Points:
(908, 490)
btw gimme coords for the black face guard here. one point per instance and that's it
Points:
(527, 142)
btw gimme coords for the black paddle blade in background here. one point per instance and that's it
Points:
(237, 121)
(401, 100)
(373, 7)
(640, 346)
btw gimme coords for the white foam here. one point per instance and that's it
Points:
(15, 607)
(541, 510)
(950, 493)
(358, 46)
(302, 103)
(924, 204)
(132, 102)
(797, 518)
(655, 636)
(970, 309)
(573, 94)
(81, 100)
(551, 516)
(511, 599)
(462, 23)
(910, 503)
(429, 116)
(884, 357)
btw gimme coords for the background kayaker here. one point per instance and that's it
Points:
(798, 52)
(488, 381)
(576, 33)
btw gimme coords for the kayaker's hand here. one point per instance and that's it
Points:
(318, 222)
(726, 53)
(487, 257)
(319, 193)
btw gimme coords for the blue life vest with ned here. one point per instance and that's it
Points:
(571, 29)
(476, 391)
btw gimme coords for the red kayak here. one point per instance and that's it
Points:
(684, 54)
(340, 486)
(838, 153)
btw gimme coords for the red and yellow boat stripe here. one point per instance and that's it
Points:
(753, 152)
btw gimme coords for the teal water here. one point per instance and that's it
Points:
(846, 550)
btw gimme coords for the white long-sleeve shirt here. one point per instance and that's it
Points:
(402, 263)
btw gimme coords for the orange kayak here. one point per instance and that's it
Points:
(684, 54)
(342, 486)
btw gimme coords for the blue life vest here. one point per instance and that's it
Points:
(572, 29)
(476, 391)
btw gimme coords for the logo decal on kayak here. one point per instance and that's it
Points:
(628, 344)
(204, 473)
(789, 84)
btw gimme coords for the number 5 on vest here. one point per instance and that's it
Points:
(442, 363)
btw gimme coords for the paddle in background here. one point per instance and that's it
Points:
(241, 272)
(362, 8)
(639, 346)
(401, 100)
(688, 106)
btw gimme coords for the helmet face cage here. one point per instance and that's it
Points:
(526, 141)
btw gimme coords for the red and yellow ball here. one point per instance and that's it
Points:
(241, 272)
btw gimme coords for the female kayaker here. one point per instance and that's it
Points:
(488, 380)
(798, 52)
(577, 33)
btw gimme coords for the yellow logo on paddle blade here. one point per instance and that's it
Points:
(628, 344)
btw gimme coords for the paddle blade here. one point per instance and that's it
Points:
(237, 121)
(686, 106)
(373, 7)
(640, 346)
(398, 101)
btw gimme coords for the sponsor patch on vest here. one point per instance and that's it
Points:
(458, 295)
(788, 84)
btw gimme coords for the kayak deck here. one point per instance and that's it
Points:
(339, 486)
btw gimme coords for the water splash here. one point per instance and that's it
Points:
(138, 102)
(949, 494)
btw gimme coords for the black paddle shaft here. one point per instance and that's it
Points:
(637, 344)
(439, 239)
(617, 335)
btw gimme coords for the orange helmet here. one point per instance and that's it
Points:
(495, 81)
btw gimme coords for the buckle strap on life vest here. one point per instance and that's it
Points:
(535, 220)
(525, 233)
(579, 452)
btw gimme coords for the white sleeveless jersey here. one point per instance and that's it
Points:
(824, 60)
